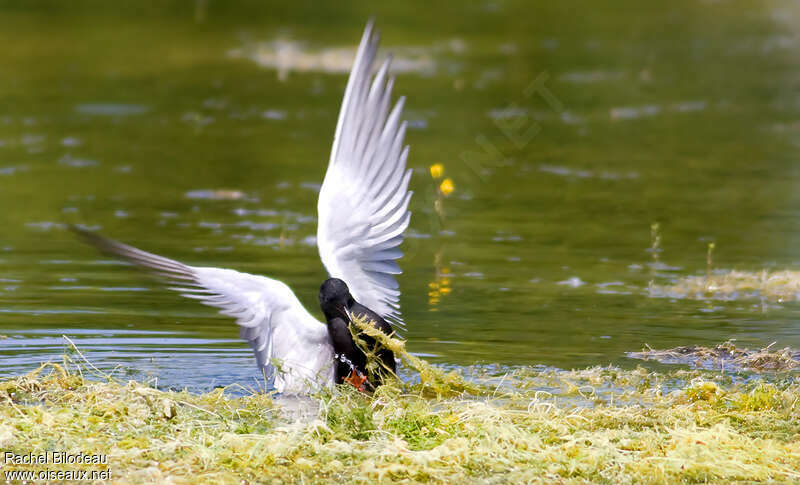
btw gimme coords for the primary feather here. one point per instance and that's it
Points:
(363, 202)
(269, 315)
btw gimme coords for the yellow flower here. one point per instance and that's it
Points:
(447, 187)
(437, 170)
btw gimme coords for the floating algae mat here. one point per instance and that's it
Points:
(722, 284)
(777, 286)
(725, 356)
(531, 425)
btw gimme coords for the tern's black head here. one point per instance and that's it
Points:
(335, 299)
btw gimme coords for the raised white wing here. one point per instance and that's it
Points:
(271, 318)
(363, 203)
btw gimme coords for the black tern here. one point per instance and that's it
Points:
(340, 308)
(362, 216)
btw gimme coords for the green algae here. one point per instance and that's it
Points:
(725, 356)
(535, 425)
(776, 286)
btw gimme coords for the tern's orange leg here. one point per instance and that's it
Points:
(356, 380)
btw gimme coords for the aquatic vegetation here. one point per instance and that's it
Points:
(447, 187)
(721, 284)
(709, 260)
(481, 424)
(725, 356)
(444, 187)
(780, 286)
(432, 381)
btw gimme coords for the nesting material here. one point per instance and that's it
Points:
(725, 356)
(479, 425)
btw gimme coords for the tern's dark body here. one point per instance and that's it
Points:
(338, 305)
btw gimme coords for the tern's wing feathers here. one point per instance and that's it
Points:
(363, 202)
(270, 317)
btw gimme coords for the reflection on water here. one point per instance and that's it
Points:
(286, 56)
(155, 134)
(111, 109)
(440, 287)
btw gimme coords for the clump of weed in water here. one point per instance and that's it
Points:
(725, 356)
(763, 285)
(776, 286)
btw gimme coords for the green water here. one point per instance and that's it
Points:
(686, 114)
